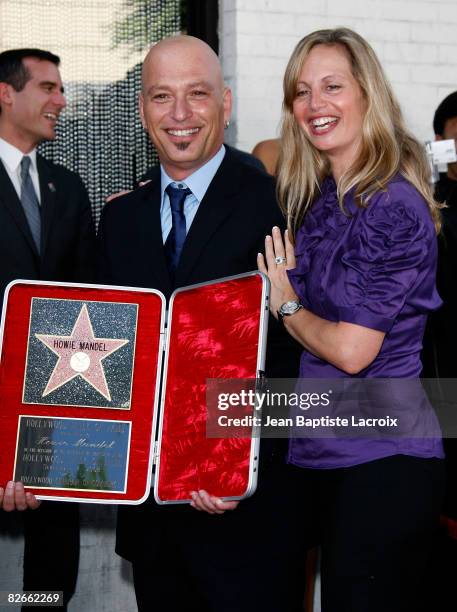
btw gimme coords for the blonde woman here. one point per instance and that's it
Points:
(355, 290)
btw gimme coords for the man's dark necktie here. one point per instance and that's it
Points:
(177, 235)
(30, 202)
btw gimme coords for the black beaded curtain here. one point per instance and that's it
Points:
(101, 44)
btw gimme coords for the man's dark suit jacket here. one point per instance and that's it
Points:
(51, 551)
(229, 229)
(67, 233)
(227, 232)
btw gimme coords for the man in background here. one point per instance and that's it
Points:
(47, 234)
(203, 215)
(439, 354)
(441, 339)
(445, 128)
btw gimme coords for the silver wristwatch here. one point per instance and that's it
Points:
(288, 308)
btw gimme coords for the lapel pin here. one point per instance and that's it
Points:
(52, 187)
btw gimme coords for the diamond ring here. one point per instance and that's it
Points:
(280, 260)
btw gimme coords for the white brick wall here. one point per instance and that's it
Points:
(416, 41)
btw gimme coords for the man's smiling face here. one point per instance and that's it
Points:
(34, 110)
(184, 104)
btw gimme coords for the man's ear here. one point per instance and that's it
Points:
(227, 98)
(438, 137)
(5, 93)
(141, 109)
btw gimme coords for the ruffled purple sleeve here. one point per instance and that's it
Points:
(388, 259)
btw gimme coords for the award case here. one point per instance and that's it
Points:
(96, 388)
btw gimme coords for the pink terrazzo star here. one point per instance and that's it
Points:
(80, 354)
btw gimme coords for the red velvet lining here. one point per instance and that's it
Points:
(143, 389)
(214, 334)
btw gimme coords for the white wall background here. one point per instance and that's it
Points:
(416, 41)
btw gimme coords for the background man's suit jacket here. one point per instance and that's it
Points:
(51, 550)
(67, 234)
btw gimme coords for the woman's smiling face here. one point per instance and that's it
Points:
(329, 104)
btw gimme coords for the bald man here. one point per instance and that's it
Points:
(217, 556)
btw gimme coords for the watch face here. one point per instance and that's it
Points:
(289, 308)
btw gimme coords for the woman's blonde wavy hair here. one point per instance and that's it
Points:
(386, 147)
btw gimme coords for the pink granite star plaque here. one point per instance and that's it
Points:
(80, 354)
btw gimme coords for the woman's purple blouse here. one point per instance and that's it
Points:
(374, 267)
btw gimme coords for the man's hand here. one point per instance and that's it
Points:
(113, 196)
(14, 497)
(201, 500)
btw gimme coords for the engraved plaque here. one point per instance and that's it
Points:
(77, 454)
